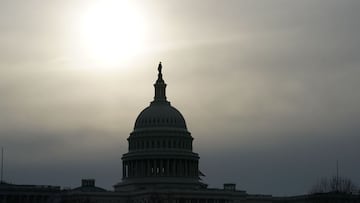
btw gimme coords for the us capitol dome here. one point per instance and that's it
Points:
(160, 148)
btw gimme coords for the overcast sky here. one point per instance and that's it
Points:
(269, 89)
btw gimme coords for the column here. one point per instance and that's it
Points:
(173, 171)
(129, 169)
(177, 167)
(154, 167)
(151, 162)
(184, 167)
(197, 168)
(167, 167)
(132, 168)
(140, 168)
(191, 168)
(143, 166)
(161, 167)
(125, 168)
(180, 167)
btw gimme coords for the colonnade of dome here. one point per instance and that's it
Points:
(160, 167)
(166, 143)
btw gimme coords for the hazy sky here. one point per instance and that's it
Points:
(269, 88)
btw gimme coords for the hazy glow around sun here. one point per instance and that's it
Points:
(112, 31)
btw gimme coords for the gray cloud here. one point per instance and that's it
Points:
(268, 89)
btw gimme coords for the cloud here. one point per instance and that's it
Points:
(272, 83)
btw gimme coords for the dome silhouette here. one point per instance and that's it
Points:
(160, 114)
(160, 152)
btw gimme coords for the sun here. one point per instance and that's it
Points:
(112, 31)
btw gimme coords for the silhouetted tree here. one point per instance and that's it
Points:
(333, 184)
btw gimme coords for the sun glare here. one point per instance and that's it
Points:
(112, 32)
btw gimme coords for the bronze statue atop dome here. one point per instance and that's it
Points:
(160, 68)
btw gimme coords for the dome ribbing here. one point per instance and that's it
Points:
(160, 115)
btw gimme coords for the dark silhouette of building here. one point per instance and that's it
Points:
(159, 167)
(14, 193)
(160, 148)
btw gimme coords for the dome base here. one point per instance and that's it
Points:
(132, 184)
